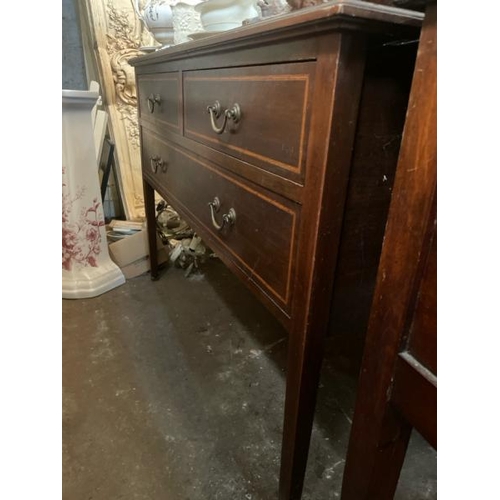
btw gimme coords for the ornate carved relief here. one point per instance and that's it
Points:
(125, 92)
(116, 36)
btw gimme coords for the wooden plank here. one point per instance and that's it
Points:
(415, 395)
(379, 434)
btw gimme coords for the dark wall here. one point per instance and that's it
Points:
(73, 66)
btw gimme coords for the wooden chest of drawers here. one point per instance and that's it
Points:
(277, 142)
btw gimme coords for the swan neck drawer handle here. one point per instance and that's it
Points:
(155, 162)
(215, 111)
(227, 219)
(152, 101)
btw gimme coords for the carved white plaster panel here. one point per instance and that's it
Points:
(116, 35)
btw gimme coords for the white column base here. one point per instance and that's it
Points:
(91, 281)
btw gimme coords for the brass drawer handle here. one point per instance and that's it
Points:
(152, 100)
(227, 219)
(215, 111)
(155, 162)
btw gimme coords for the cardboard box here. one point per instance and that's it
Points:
(142, 266)
(131, 253)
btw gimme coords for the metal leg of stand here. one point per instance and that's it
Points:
(107, 168)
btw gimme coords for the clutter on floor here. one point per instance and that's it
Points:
(177, 243)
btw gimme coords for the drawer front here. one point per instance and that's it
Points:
(155, 157)
(273, 100)
(261, 239)
(160, 99)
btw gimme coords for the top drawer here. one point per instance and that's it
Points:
(160, 99)
(273, 101)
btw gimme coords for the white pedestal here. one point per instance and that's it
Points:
(87, 269)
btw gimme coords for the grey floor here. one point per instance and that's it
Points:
(174, 390)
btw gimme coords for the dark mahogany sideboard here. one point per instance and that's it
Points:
(278, 142)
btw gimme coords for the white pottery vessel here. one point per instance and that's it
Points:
(222, 15)
(186, 20)
(87, 269)
(158, 18)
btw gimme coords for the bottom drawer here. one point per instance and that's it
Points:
(251, 227)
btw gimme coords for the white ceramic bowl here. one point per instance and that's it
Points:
(163, 35)
(222, 15)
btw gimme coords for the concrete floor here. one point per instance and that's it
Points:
(174, 390)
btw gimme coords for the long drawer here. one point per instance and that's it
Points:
(254, 229)
(268, 121)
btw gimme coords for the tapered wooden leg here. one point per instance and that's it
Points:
(305, 354)
(376, 454)
(149, 205)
